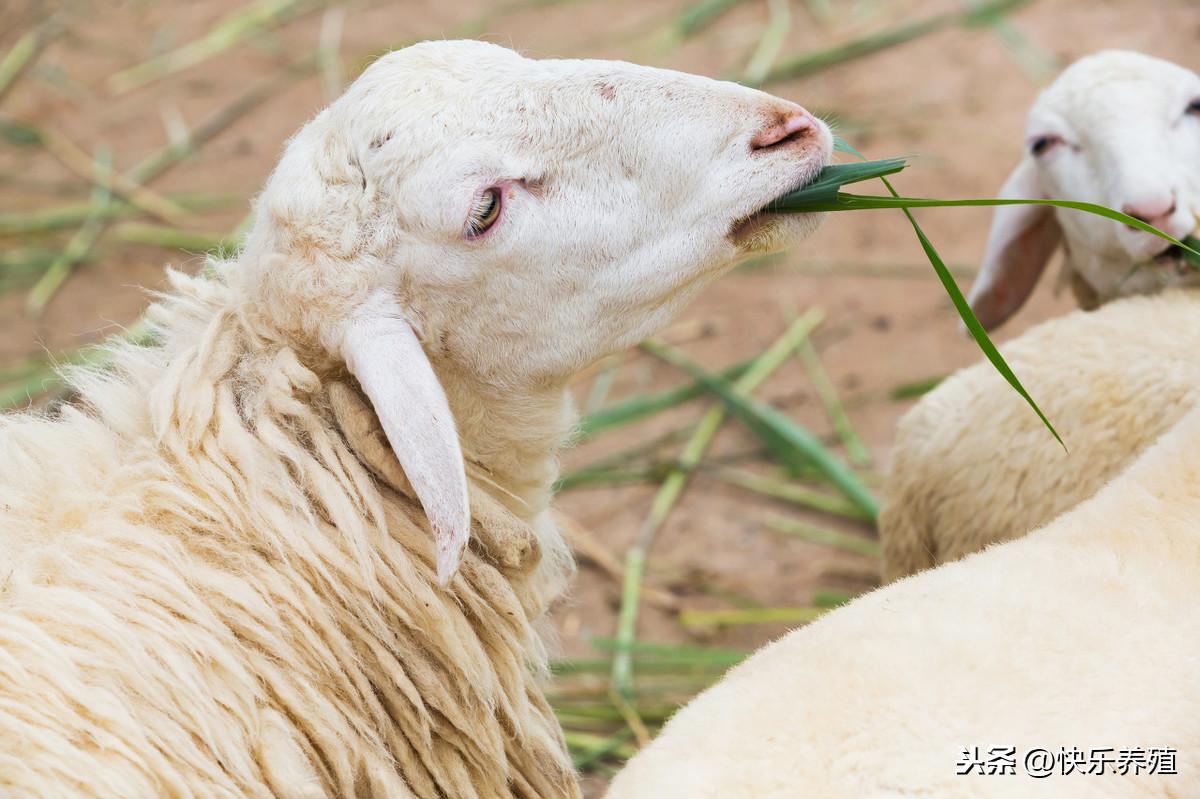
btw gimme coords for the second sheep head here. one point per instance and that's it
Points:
(1118, 129)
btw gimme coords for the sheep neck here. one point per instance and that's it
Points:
(514, 432)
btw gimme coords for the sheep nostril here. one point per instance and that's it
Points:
(790, 127)
(1152, 213)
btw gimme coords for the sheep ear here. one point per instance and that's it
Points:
(382, 351)
(1021, 241)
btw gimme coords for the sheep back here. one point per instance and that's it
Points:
(972, 465)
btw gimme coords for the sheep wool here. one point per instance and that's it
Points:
(973, 466)
(216, 583)
(1081, 637)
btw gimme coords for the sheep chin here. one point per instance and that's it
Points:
(767, 231)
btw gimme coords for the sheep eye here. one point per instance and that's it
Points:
(485, 213)
(1042, 144)
(1193, 107)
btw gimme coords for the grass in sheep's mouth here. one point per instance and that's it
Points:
(1192, 252)
(821, 189)
(824, 194)
(1188, 255)
(825, 187)
(1178, 259)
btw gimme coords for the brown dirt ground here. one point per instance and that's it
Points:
(955, 100)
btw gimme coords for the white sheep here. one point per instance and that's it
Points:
(970, 465)
(217, 574)
(973, 466)
(1083, 635)
(1116, 128)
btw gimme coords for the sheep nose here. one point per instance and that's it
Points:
(1154, 212)
(788, 126)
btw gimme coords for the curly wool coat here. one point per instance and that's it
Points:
(216, 583)
(972, 466)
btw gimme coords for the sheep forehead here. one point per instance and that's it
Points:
(475, 96)
(465, 83)
(1110, 87)
(478, 70)
(415, 92)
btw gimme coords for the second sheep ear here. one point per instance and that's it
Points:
(1020, 244)
(384, 354)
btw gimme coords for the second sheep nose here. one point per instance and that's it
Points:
(1155, 212)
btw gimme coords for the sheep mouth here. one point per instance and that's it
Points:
(1174, 259)
(1169, 255)
(754, 227)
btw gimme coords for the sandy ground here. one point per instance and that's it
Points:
(954, 100)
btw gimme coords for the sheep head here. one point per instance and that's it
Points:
(465, 211)
(1119, 129)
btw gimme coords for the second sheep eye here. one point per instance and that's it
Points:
(1042, 144)
(484, 213)
(1193, 107)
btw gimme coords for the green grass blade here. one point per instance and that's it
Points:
(24, 53)
(585, 751)
(831, 597)
(825, 536)
(761, 368)
(725, 595)
(22, 369)
(642, 450)
(19, 134)
(631, 586)
(809, 63)
(821, 11)
(636, 408)
(780, 433)
(736, 618)
(66, 216)
(48, 376)
(606, 477)
(609, 367)
(770, 44)
(697, 17)
(916, 388)
(973, 326)
(26, 389)
(1037, 64)
(242, 24)
(840, 145)
(862, 202)
(80, 245)
(585, 713)
(175, 239)
(677, 654)
(1192, 252)
(672, 487)
(823, 190)
(856, 450)
(801, 202)
(22, 267)
(789, 491)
